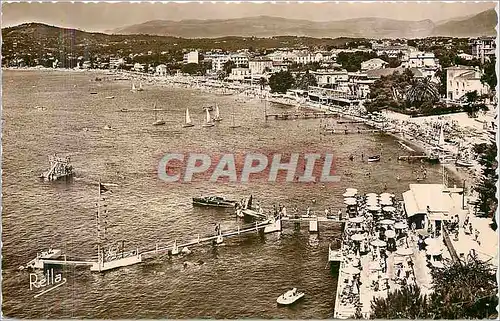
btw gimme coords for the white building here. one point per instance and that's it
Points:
(239, 60)
(116, 62)
(330, 77)
(218, 61)
(139, 67)
(375, 63)
(420, 59)
(191, 57)
(466, 56)
(463, 79)
(161, 70)
(239, 74)
(392, 51)
(259, 66)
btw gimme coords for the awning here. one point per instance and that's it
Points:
(410, 204)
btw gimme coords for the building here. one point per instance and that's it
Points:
(483, 48)
(191, 57)
(280, 66)
(116, 62)
(240, 60)
(463, 79)
(161, 70)
(239, 74)
(139, 67)
(465, 56)
(259, 66)
(420, 59)
(375, 63)
(394, 51)
(330, 77)
(428, 206)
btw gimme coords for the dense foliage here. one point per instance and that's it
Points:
(474, 104)
(490, 75)
(281, 81)
(351, 61)
(459, 291)
(305, 80)
(486, 187)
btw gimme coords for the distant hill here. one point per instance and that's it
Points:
(481, 24)
(264, 26)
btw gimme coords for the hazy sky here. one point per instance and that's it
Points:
(105, 16)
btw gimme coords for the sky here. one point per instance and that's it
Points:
(101, 17)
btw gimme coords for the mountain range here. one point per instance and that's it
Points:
(481, 24)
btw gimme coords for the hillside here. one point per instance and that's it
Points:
(482, 24)
(264, 26)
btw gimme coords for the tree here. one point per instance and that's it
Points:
(473, 104)
(460, 291)
(281, 81)
(262, 82)
(190, 68)
(306, 80)
(486, 187)
(422, 92)
(228, 66)
(490, 76)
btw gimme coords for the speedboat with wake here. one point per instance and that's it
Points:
(290, 297)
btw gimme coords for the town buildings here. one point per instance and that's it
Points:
(483, 48)
(192, 57)
(463, 79)
(260, 65)
(375, 63)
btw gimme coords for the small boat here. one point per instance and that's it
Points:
(157, 121)
(219, 239)
(217, 114)
(233, 124)
(213, 201)
(133, 87)
(374, 158)
(290, 297)
(108, 127)
(208, 122)
(140, 87)
(464, 163)
(124, 110)
(188, 122)
(186, 250)
(93, 92)
(110, 97)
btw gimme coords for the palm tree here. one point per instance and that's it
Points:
(422, 91)
(473, 104)
(262, 82)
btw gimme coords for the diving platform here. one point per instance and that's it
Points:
(59, 168)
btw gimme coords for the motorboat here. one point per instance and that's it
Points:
(213, 201)
(374, 158)
(290, 297)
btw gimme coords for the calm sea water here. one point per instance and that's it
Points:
(241, 279)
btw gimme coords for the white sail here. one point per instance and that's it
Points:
(188, 117)
(140, 85)
(133, 86)
(441, 137)
(208, 116)
(217, 115)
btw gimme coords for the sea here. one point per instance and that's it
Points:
(52, 112)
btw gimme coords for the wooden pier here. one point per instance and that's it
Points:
(351, 122)
(350, 131)
(301, 115)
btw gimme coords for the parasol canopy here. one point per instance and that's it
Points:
(352, 270)
(358, 237)
(404, 251)
(386, 202)
(390, 233)
(386, 195)
(387, 222)
(434, 250)
(431, 242)
(400, 225)
(357, 219)
(351, 190)
(378, 243)
(350, 201)
(375, 266)
(389, 209)
(373, 208)
(371, 195)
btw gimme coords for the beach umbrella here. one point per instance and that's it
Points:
(438, 264)
(388, 209)
(390, 233)
(352, 270)
(378, 243)
(373, 208)
(400, 225)
(357, 219)
(372, 203)
(404, 251)
(432, 242)
(386, 195)
(371, 195)
(387, 222)
(352, 190)
(350, 201)
(358, 237)
(385, 203)
(434, 250)
(347, 194)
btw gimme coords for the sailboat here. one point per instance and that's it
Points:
(133, 87)
(217, 114)
(208, 122)
(140, 87)
(157, 121)
(441, 137)
(188, 120)
(233, 125)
